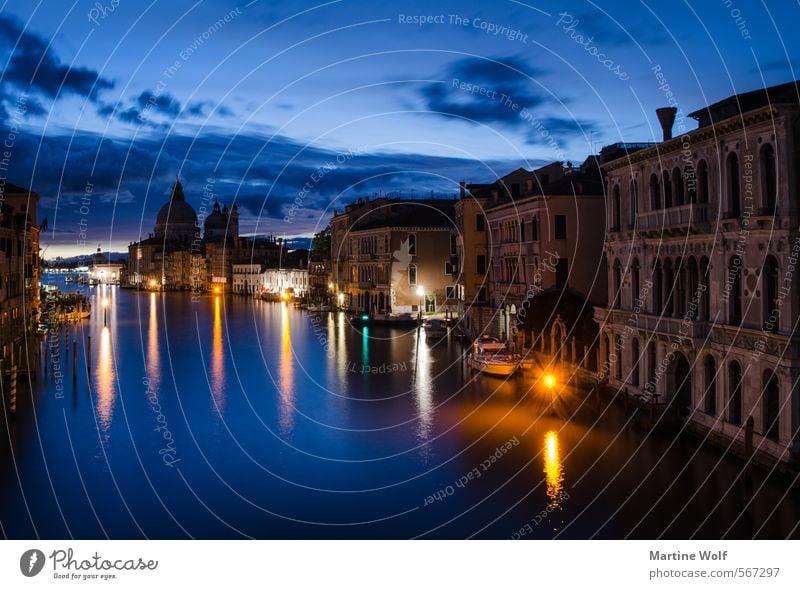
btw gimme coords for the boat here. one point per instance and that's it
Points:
(490, 356)
(435, 329)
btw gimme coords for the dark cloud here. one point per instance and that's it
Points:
(129, 180)
(484, 90)
(202, 108)
(604, 32)
(34, 66)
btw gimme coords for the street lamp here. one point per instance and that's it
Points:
(421, 295)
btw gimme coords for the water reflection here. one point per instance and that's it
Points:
(423, 388)
(554, 473)
(153, 355)
(217, 359)
(286, 374)
(105, 378)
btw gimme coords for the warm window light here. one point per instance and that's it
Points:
(153, 284)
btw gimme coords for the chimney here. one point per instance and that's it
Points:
(463, 188)
(494, 195)
(666, 116)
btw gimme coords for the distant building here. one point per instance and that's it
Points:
(384, 251)
(702, 248)
(102, 271)
(247, 279)
(168, 259)
(290, 282)
(19, 266)
(319, 280)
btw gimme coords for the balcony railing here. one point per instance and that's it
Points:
(675, 326)
(681, 217)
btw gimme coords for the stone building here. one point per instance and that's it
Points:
(384, 251)
(534, 255)
(19, 266)
(701, 252)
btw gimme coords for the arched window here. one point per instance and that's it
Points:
(704, 312)
(651, 363)
(412, 244)
(734, 282)
(710, 368)
(667, 186)
(617, 214)
(734, 195)
(535, 229)
(702, 182)
(635, 285)
(677, 186)
(769, 183)
(618, 352)
(770, 291)
(635, 362)
(735, 393)
(634, 196)
(690, 176)
(617, 284)
(771, 405)
(693, 289)
(655, 192)
(658, 288)
(669, 288)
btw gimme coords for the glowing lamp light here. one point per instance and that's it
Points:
(420, 291)
(105, 303)
(153, 284)
(365, 318)
(216, 289)
(341, 298)
(549, 381)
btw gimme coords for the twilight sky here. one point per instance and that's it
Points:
(274, 103)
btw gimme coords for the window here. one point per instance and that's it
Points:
(770, 182)
(635, 286)
(412, 274)
(702, 181)
(450, 268)
(733, 186)
(480, 263)
(770, 290)
(450, 292)
(412, 244)
(521, 230)
(677, 186)
(562, 273)
(560, 223)
(735, 393)
(453, 244)
(481, 295)
(617, 286)
(655, 193)
(634, 202)
(616, 210)
(735, 282)
(635, 362)
(667, 187)
(535, 229)
(771, 399)
(711, 385)
(480, 222)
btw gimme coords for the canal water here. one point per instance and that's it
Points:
(233, 418)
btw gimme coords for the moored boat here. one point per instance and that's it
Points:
(490, 356)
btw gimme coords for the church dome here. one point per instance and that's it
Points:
(176, 219)
(216, 220)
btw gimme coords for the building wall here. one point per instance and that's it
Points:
(691, 259)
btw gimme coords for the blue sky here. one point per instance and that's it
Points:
(317, 103)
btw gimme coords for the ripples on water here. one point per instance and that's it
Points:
(228, 417)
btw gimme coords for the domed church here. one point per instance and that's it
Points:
(176, 221)
(221, 224)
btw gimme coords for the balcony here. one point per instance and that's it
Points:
(662, 325)
(692, 217)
